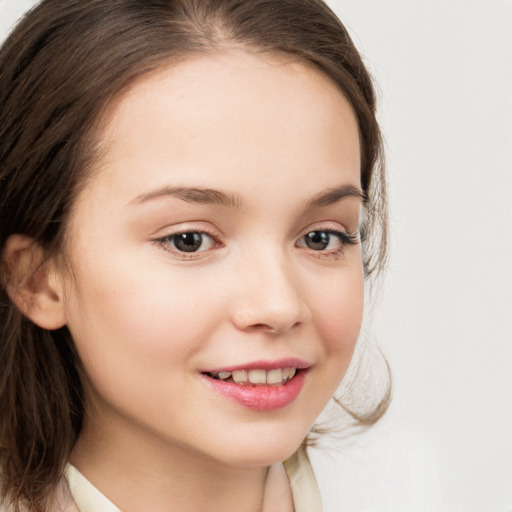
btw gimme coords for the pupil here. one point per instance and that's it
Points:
(317, 240)
(188, 242)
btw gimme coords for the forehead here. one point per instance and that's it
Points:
(234, 113)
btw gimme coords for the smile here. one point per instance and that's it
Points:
(260, 386)
(275, 377)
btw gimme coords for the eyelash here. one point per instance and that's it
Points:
(345, 239)
(166, 241)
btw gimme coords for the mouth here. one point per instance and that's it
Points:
(255, 376)
(261, 386)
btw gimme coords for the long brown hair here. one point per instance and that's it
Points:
(59, 69)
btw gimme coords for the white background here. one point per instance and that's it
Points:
(444, 70)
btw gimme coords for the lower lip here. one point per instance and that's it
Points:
(260, 397)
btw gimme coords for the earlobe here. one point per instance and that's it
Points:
(33, 284)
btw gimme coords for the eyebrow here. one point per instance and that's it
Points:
(192, 195)
(217, 197)
(333, 195)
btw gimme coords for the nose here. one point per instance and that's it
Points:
(269, 295)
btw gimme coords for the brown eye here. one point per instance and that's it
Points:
(319, 240)
(329, 241)
(191, 241)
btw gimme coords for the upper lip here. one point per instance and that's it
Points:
(290, 362)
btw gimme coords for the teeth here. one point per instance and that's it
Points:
(291, 372)
(258, 376)
(239, 376)
(276, 376)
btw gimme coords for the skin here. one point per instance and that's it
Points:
(147, 318)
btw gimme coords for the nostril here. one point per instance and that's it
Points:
(263, 327)
(273, 330)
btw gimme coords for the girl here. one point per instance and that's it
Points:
(191, 199)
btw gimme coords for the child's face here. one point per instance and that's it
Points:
(259, 278)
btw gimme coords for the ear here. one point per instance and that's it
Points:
(34, 284)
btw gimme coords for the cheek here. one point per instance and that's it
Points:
(137, 339)
(338, 314)
(126, 322)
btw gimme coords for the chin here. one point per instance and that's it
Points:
(264, 448)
